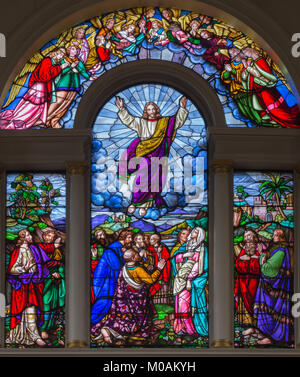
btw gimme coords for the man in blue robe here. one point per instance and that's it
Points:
(106, 275)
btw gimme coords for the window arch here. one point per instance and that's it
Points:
(251, 87)
(157, 195)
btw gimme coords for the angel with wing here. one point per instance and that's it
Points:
(43, 70)
(33, 106)
(81, 43)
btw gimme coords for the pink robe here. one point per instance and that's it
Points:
(183, 311)
(34, 104)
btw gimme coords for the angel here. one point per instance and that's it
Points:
(207, 22)
(169, 16)
(194, 29)
(127, 40)
(105, 27)
(147, 16)
(67, 86)
(261, 84)
(217, 49)
(177, 36)
(33, 106)
(157, 33)
(107, 31)
(81, 43)
(98, 55)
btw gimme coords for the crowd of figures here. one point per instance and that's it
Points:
(36, 286)
(263, 291)
(47, 85)
(134, 274)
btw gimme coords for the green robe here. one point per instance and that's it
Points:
(272, 266)
(70, 80)
(54, 292)
(243, 99)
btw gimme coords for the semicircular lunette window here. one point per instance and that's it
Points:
(251, 87)
(149, 221)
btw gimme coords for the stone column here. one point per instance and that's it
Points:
(221, 334)
(77, 261)
(2, 253)
(297, 247)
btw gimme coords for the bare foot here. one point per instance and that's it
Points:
(131, 208)
(61, 342)
(264, 341)
(142, 212)
(56, 125)
(44, 335)
(40, 342)
(248, 331)
(106, 335)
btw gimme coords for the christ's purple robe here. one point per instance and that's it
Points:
(148, 179)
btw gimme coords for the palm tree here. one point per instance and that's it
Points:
(276, 187)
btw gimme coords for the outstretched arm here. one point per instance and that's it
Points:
(126, 118)
(182, 113)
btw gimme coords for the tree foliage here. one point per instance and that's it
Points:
(31, 203)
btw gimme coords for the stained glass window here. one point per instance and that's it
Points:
(263, 251)
(250, 86)
(149, 221)
(35, 260)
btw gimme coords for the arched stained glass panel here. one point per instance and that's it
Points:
(251, 87)
(149, 221)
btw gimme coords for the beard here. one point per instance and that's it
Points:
(128, 245)
(102, 242)
(250, 248)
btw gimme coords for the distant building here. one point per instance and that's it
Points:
(260, 209)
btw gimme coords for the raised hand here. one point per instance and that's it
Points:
(228, 67)
(64, 65)
(120, 103)
(57, 242)
(161, 264)
(182, 102)
(94, 252)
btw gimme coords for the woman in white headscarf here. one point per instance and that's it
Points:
(189, 286)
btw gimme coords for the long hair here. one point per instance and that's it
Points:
(137, 235)
(124, 234)
(53, 54)
(282, 235)
(126, 26)
(157, 109)
(21, 238)
(180, 232)
(69, 49)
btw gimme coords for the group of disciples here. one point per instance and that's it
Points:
(36, 275)
(263, 289)
(137, 272)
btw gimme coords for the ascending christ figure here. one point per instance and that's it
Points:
(155, 137)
